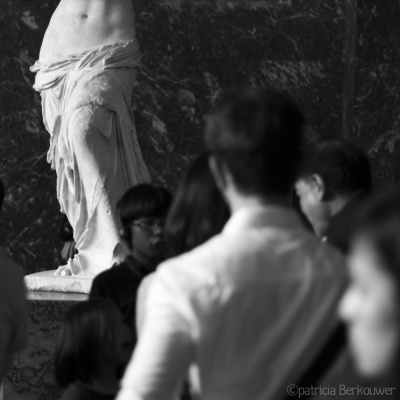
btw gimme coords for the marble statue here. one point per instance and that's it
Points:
(85, 73)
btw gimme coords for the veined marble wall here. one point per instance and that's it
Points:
(377, 86)
(337, 58)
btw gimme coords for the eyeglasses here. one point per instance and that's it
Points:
(149, 225)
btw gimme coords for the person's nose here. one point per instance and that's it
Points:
(158, 228)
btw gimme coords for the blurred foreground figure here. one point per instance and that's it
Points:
(92, 350)
(335, 176)
(86, 73)
(371, 305)
(246, 313)
(13, 308)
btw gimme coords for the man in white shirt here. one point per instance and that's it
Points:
(245, 314)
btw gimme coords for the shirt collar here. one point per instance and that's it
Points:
(264, 216)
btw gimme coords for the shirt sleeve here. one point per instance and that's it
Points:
(164, 351)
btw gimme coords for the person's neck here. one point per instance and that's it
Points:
(338, 203)
(239, 201)
(320, 228)
(333, 208)
(147, 262)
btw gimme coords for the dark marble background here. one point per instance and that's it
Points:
(193, 51)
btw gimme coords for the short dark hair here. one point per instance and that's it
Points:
(343, 167)
(2, 194)
(258, 135)
(86, 341)
(199, 210)
(142, 201)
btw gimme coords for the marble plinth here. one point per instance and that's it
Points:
(49, 282)
(31, 374)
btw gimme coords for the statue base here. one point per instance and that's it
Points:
(49, 282)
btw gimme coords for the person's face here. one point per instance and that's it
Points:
(148, 237)
(314, 208)
(370, 309)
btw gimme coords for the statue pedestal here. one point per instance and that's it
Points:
(31, 374)
(47, 281)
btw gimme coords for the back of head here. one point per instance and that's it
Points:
(258, 135)
(199, 210)
(87, 342)
(343, 167)
(142, 201)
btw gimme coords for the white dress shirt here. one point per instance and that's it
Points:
(244, 314)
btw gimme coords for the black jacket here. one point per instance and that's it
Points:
(120, 284)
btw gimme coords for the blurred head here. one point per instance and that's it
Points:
(93, 343)
(371, 305)
(331, 173)
(199, 210)
(254, 139)
(142, 211)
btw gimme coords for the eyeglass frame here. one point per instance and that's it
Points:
(149, 227)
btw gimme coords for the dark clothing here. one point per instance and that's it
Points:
(79, 392)
(341, 225)
(120, 284)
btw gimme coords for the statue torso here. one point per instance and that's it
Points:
(78, 25)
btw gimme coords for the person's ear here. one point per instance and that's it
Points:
(218, 172)
(319, 186)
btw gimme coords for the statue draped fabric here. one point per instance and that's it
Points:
(93, 145)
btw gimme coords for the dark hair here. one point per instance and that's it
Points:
(198, 212)
(2, 194)
(379, 220)
(86, 341)
(258, 136)
(142, 201)
(343, 167)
